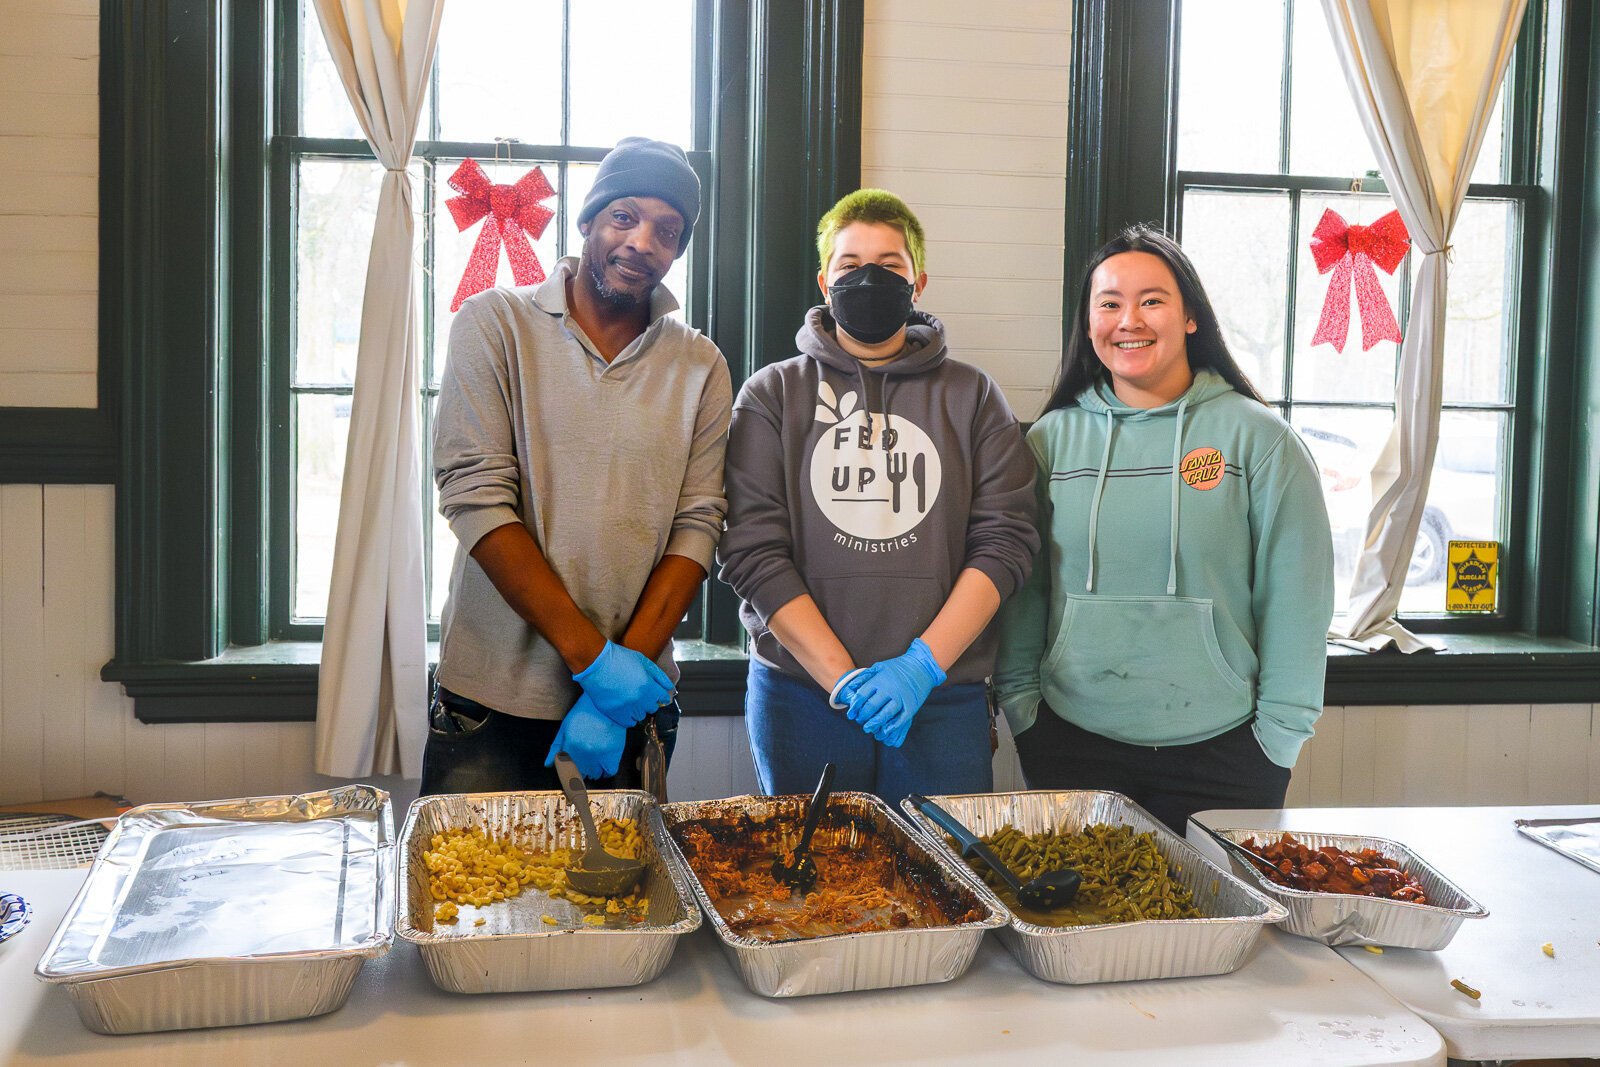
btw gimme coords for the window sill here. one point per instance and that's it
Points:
(277, 682)
(1501, 668)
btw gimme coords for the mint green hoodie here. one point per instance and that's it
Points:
(1186, 580)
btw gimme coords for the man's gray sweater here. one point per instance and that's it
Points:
(609, 466)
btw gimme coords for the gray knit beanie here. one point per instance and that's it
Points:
(639, 166)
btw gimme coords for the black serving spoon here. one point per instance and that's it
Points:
(799, 873)
(1049, 891)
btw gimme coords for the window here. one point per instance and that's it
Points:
(203, 164)
(515, 86)
(1263, 150)
(1526, 359)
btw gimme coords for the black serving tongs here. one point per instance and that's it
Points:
(1049, 891)
(798, 870)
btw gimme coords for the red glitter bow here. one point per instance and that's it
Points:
(514, 212)
(1352, 250)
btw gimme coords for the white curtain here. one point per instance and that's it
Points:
(1424, 75)
(372, 692)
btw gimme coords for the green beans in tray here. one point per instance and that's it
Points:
(1125, 877)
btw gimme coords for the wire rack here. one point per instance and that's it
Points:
(27, 842)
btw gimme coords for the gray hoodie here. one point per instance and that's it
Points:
(872, 490)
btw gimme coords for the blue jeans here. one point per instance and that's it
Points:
(793, 732)
(475, 749)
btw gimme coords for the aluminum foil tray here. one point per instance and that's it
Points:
(516, 950)
(1338, 919)
(1115, 952)
(842, 963)
(1576, 839)
(228, 912)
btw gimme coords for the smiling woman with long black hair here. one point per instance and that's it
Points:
(1170, 642)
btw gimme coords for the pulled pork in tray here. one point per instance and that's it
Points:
(1329, 869)
(864, 882)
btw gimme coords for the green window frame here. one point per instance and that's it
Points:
(191, 263)
(1122, 168)
(435, 159)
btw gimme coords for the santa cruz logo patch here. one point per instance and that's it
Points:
(1202, 468)
(873, 478)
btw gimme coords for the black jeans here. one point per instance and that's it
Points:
(1171, 782)
(475, 749)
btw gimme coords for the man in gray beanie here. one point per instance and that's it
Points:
(578, 453)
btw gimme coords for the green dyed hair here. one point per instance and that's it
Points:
(871, 205)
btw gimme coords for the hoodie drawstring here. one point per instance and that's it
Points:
(1099, 488)
(866, 401)
(866, 398)
(1177, 476)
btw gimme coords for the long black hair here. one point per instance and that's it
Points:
(1081, 368)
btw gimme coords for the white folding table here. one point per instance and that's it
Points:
(1293, 1002)
(1532, 1005)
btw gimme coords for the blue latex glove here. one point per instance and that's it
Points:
(624, 685)
(592, 740)
(888, 695)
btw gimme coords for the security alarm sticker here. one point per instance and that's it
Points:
(1474, 572)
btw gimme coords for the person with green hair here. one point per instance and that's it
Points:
(880, 510)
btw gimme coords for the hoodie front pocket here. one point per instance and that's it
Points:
(1138, 664)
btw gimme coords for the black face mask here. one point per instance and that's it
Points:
(871, 303)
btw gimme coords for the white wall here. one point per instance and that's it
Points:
(964, 115)
(959, 117)
(49, 201)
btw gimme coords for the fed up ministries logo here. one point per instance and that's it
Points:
(873, 477)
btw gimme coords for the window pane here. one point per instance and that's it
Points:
(1325, 134)
(444, 542)
(1240, 245)
(324, 108)
(1344, 442)
(500, 71)
(1228, 111)
(580, 179)
(1479, 304)
(1321, 372)
(1464, 501)
(614, 95)
(1490, 165)
(336, 204)
(444, 554)
(677, 281)
(452, 248)
(322, 424)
